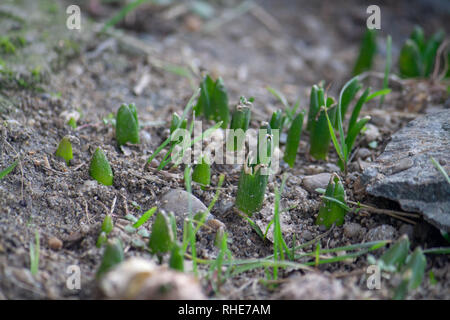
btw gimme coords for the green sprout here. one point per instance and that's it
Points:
(144, 218)
(100, 169)
(112, 256)
(252, 181)
(344, 145)
(318, 125)
(162, 236)
(65, 150)
(366, 52)
(177, 122)
(277, 120)
(127, 125)
(331, 212)
(202, 173)
(290, 111)
(240, 120)
(34, 254)
(216, 267)
(213, 101)
(72, 123)
(411, 267)
(176, 261)
(8, 170)
(293, 139)
(412, 273)
(280, 248)
(418, 55)
(440, 169)
(106, 228)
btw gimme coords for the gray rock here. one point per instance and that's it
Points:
(383, 232)
(177, 201)
(321, 180)
(313, 286)
(352, 230)
(405, 173)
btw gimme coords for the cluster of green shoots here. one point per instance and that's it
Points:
(417, 58)
(409, 265)
(418, 54)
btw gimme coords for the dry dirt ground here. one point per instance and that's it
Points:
(301, 43)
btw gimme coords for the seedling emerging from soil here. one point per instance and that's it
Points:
(277, 120)
(107, 227)
(65, 150)
(331, 212)
(366, 52)
(252, 183)
(112, 256)
(8, 170)
(162, 236)
(412, 273)
(290, 111)
(100, 169)
(348, 92)
(144, 218)
(177, 122)
(72, 123)
(34, 254)
(318, 125)
(127, 125)
(202, 173)
(240, 120)
(213, 101)
(440, 169)
(411, 267)
(418, 55)
(293, 139)
(176, 258)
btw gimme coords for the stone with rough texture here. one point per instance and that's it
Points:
(321, 180)
(177, 201)
(405, 173)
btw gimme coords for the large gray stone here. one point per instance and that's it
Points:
(405, 173)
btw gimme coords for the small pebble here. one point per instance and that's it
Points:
(55, 244)
(321, 180)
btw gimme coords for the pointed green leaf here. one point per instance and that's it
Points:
(65, 150)
(112, 256)
(127, 126)
(100, 169)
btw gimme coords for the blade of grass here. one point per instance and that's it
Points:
(440, 169)
(8, 170)
(387, 68)
(144, 218)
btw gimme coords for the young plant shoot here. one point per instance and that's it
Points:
(418, 55)
(127, 125)
(100, 169)
(344, 145)
(366, 52)
(293, 139)
(202, 173)
(106, 228)
(65, 150)
(253, 181)
(213, 101)
(330, 211)
(240, 120)
(112, 256)
(162, 236)
(319, 133)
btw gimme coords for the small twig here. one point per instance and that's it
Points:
(441, 52)
(265, 18)
(396, 214)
